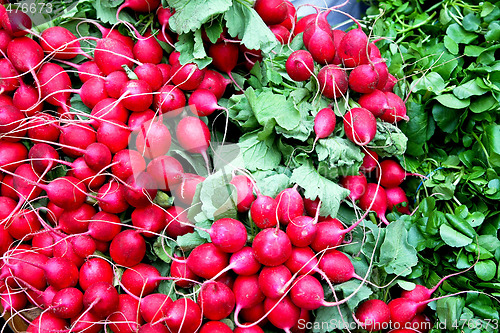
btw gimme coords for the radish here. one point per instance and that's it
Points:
(272, 247)
(101, 299)
(375, 199)
(355, 184)
(23, 225)
(86, 322)
(396, 110)
(8, 76)
(180, 270)
(153, 139)
(216, 300)
(177, 222)
(353, 48)
(370, 161)
(364, 79)
(67, 303)
(43, 128)
(333, 82)
(373, 315)
(136, 119)
(42, 242)
(65, 192)
(55, 85)
(126, 162)
(75, 138)
(151, 74)
(147, 49)
(183, 316)
(88, 70)
(141, 6)
(228, 235)
(206, 260)
(108, 109)
(391, 82)
(324, 123)
(215, 82)
(215, 327)
(224, 57)
(93, 91)
(115, 81)
(153, 307)
(274, 281)
(382, 70)
(290, 205)
(281, 33)
(95, 270)
(360, 126)
(11, 155)
(318, 40)
(376, 102)
(302, 230)
(203, 103)
(193, 135)
(13, 300)
(271, 11)
(104, 226)
(243, 262)
(111, 198)
(60, 43)
(137, 95)
(111, 54)
(396, 197)
(76, 221)
(391, 174)
(169, 100)
(46, 322)
(300, 65)
(29, 268)
(284, 314)
(140, 190)
(5, 39)
(252, 329)
(255, 313)
(126, 318)
(303, 23)
(150, 328)
(25, 54)
(421, 323)
(337, 37)
(149, 219)
(5, 238)
(247, 293)
(11, 123)
(184, 192)
(81, 171)
(291, 17)
(16, 22)
(128, 248)
(264, 212)
(244, 190)
(188, 76)
(337, 267)
(163, 15)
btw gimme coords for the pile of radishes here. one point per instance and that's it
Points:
(77, 206)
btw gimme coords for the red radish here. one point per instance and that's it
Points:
(43, 128)
(370, 161)
(88, 70)
(264, 212)
(203, 103)
(149, 219)
(153, 139)
(228, 235)
(127, 162)
(255, 313)
(46, 322)
(300, 65)
(11, 123)
(13, 300)
(396, 196)
(128, 248)
(333, 82)
(183, 316)
(318, 40)
(16, 22)
(111, 54)
(421, 323)
(151, 74)
(126, 318)
(247, 293)
(273, 281)
(80, 170)
(63, 248)
(25, 54)
(42, 158)
(243, 262)
(216, 300)
(215, 327)
(391, 82)
(215, 82)
(396, 111)
(303, 23)
(137, 95)
(140, 190)
(290, 205)
(272, 247)
(111, 198)
(169, 100)
(8, 76)
(11, 155)
(281, 33)
(285, 315)
(291, 17)
(5, 39)
(337, 267)
(324, 123)
(141, 6)
(252, 329)
(187, 77)
(303, 261)
(93, 91)
(391, 174)
(153, 307)
(353, 48)
(177, 222)
(206, 260)
(224, 57)
(61, 43)
(373, 315)
(360, 126)
(363, 79)
(376, 102)
(375, 200)
(179, 269)
(302, 230)
(76, 221)
(101, 298)
(5, 238)
(29, 268)
(244, 189)
(163, 16)
(271, 11)
(337, 37)
(67, 303)
(173, 58)
(65, 192)
(115, 81)
(86, 322)
(97, 156)
(193, 135)
(184, 192)
(25, 183)
(355, 184)
(95, 270)
(83, 245)
(55, 84)
(108, 109)
(136, 119)
(104, 226)
(78, 136)
(147, 49)
(141, 279)
(382, 72)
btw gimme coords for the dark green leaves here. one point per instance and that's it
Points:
(397, 256)
(190, 15)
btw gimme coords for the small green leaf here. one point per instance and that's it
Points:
(483, 103)
(450, 45)
(468, 89)
(473, 50)
(342, 156)
(452, 102)
(431, 81)
(447, 119)
(259, 155)
(485, 270)
(460, 35)
(189, 16)
(397, 256)
(471, 22)
(449, 310)
(493, 33)
(452, 237)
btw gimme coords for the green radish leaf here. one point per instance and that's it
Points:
(259, 155)
(449, 310)
(389, 140)
(341, 155)
(272, 182)
(397, 256)
(453, 102)
(452, 237)
(485, 270)
(468, 89)
(460, 35)
(190, 15)
(447, 119)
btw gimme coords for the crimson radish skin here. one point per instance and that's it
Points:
(215, 82)
(228, 235)
(373, 315)
(333, 81)
(353, 48)
(396, 196)
(101, 298)
(391, 174)
(47, 322)
(169, 100)
(95, 270)
(177, 222)
(370, 161)
(243, 262)
(141, 279)
(355, 184)
(360, 126)
(376, 102)
(216, 300)
(363, 79)
(183, 316)
(153, 307)
(252, 329)
(264, 212)
(290, 205)
(247, 293)
(396, 111)
(324, 123)
(300, 65)
(215, 327)
(126, 318)
(330, 234)
(207, 260)
(179, 269)
(273, 281)
(302, 230)
(187, 77)
(376, 198)
(128, 248)
(272, 247)
(281, 33)
(244, 191)
(319, 42)
(271, 11)
(285, 315)
(111, 54)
